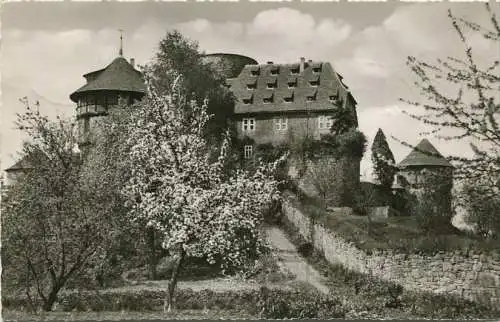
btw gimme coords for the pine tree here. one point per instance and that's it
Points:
(383, 160)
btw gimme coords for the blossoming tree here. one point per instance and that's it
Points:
(200, 208)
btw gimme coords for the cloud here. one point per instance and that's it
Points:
(282, 35)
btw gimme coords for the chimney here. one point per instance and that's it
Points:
(302, 63)
(132, 62)
(269, 62)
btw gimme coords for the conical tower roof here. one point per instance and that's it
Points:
(424, 154)
(117, 76)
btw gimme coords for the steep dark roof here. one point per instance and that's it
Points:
(119, 76)
(254, 95)
(22, 164)
(424, 154)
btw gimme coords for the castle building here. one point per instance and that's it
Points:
(274, 100)
(271, 100)
(104, 88)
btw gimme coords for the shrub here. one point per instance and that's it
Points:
(302, 304)
(445, 307)
(270, 303)
(483, 211)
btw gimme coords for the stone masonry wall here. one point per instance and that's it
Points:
(471, 276)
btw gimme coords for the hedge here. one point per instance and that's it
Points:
(265, 302)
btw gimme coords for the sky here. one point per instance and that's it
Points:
(47, 47)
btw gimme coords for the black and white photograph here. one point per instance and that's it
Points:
(250, 160)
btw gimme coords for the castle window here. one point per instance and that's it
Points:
(324, 122)
(281, 124)
(248, 151)
(248, 125)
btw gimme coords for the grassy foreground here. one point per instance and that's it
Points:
(11, 315)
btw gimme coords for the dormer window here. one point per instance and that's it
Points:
(333, 98)
(311, 98)
(272, 85)
(275, 71)
(255, 72)
(247, 101)
(292, 84)
(314, 83)
(317, 69)
(268, 100)
(295, 70)
(288, 99)
(252, 86)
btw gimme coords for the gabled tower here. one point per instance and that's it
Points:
(102, 91)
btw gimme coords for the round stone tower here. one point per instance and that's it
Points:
(103, 90)
(229, 65)
(426, 169)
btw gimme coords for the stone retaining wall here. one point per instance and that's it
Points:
(469, 275)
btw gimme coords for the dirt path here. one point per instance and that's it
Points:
(292, 261)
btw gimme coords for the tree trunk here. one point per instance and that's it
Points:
(152, 253)
(173, 282)
(51, 299)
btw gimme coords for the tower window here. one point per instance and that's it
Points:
(112, 100)
(248, 151)
(248, 125)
